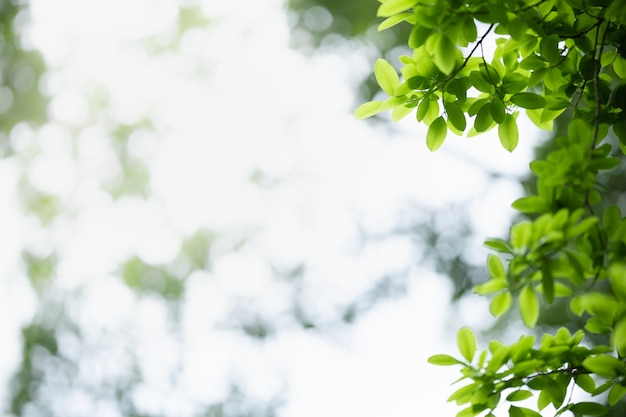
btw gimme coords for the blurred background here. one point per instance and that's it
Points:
(193, 224)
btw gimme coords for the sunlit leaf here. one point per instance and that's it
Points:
(391, 7)
(443, 360)
(529, 306)
(604, 365)
(500, 304)
(508, 133)
(466, 342)
(386, 76)
(368, 109)
(436, 134)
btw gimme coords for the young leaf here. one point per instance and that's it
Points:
(519, 395)
(393, 20)
(436, 134)
(529, 306)
(604, 365)
(386, 76)
(443, 52)
(500, 304)
(368, 109)
(443, 360)
(466, 342)
(391, 7)
(508, 132)
(495, 267)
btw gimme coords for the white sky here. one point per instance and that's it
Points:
(234, 100)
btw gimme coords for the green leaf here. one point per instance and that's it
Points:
(393, 20)
(522, 412)
(499, 245)
(391, 7)
(443, 360)
(616, 394)
(495, 267)
(547, 281)
(467, 343)
(588, 409)
(528, 100)
(455, 115)
(500, 304)
(529, 305)
(532, 204)
(469, 29)
(521, 234)
(508, 133)
(386, 76)
(604, 365)
(436, 134)
(498, 111)
(481, 83)
(464, 394)
(444, 53)
(519, 395)
(483, 120)
(368, 109)
(400, 112)
(586, 382)
(490, 286)
(618, 337)
(617, 276)
(422, 109)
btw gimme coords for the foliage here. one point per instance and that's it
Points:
(551, 57)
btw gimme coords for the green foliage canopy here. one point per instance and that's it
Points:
(551, 58)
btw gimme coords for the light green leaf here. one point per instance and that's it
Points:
(443, 52)
(436, 134)
(491, 286)
(368, 109)
(400, 112)
(500, 304)
(391, 7)
(393, 20)
(466, 342)
(604, 365)
(521, 234)
(495, 267)
(529, 305)
(617, 276)
(386, 76)
(508, 132)
(528, 100)
(519, 395)
(443, 360)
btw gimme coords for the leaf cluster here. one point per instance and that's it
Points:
(551, 57)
